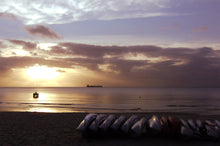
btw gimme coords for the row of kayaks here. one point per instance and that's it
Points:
(165, 126)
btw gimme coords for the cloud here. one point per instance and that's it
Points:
(2, 45)
(95, 51)
(174, 67)
(26, 45)
(61, 71)
(43, 31)
(200, 29)
(8, 15)
(150, 66)
(56, 12)
(7, 64)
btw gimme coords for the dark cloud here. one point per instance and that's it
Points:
(26, 45)
(93, 51)
(80, 49)
(183, 67)
(8, 63)
(43, 31)
(173, 67)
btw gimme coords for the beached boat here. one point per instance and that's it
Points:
(136, 127)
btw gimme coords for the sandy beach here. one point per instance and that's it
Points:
(27, 128)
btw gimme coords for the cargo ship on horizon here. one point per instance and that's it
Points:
(94, 86)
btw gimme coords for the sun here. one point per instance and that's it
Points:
(42, 72)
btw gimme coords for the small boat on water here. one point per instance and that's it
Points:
(35, 95)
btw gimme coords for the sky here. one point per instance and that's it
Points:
(114, 43)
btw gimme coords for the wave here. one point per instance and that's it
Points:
(85, 107)
(112, 109)
(72, 106)
(51, 104)
(173, 105)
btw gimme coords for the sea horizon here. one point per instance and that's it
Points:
(96, 87)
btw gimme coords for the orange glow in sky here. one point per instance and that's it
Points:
(42, 72)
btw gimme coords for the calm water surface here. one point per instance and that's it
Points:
(193, 100)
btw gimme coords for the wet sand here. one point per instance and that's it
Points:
(26, 128)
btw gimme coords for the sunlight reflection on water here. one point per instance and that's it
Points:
(58, 100)
(45, 110)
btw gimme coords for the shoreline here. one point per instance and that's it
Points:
(35, 128)
(187, 115)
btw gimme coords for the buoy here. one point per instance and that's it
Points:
(35, 95)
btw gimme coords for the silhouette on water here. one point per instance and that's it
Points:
(35, 95)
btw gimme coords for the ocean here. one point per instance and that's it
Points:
(204, 101)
